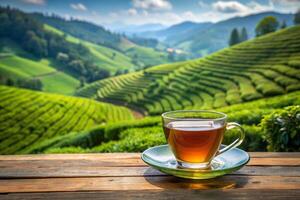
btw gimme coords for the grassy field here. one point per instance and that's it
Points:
(17, 64)
(113, 60)
(60, 83)
(28, 118)
(147, 56)
(104, 57)
(259, 68)
(24, 66)
(136, 136)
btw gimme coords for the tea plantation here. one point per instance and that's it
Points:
(28, 118)
(259, 68)
(139, 135)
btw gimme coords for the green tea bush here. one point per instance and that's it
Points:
(134, 140)
(112, 131)
(294, 63)
(253, 141)
(66, 150)
(73, 139)
(282, 129)
(250, 96)
(248, 116)
(269, 89)
(293, 87)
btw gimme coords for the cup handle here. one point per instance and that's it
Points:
(237, 142)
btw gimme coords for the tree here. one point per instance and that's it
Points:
(283, 25)
(297, 18)
(267, 25)
(113, 55)
(10, 82)
(82, 81)
(244, 35)
(234, 37)
(35, 45)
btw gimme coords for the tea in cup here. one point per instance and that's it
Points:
(195, 136)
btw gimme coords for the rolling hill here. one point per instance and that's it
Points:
(28, 118)
(103, 42)
(262, 67)
(81, 29)
(175, 32)
(40, 52)
(16, 64)
(137, 136)
(201, 39)
(104, 57)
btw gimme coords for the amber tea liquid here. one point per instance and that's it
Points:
(194, 141)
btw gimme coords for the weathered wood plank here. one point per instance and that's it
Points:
(125, 161)
(274, 154)
(51, 170)
(274, 161)
(93, 156)
(147, 183)
(161, 194)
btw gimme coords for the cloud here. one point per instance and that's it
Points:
(152, 4)
(189, 15)
(286, 5)
(286, 1)
(35, 2)
(229, 7)
(132, 11)
(202, 4)
(236, 8)
(78, 6)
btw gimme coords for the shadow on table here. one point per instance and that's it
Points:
(171, 182)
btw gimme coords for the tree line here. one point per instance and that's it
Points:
(31, 35)
(267, 25)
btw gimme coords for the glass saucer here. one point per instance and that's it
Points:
(161, 158)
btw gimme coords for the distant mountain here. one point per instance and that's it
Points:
(134, 29)
(201, 41)
(175, 31)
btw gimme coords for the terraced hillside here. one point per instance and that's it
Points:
(28, 118)
(141, 134)
(265, 66)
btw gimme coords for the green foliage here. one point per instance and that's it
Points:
(263, 67)
(234, 37)
(66, 150)
(134, 140)
(112, 131)
(31, 35)
(81, 29)
(283, 25)
(243, 35)
(282, 129)
(297, 17)
(29, 119)
(266, 25)
(254, 138)
(132, 136)
(34, 84)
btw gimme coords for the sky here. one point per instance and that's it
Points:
(166, 12)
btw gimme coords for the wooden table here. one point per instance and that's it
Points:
(125, 176)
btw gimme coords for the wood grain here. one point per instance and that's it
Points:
(230, 194)
(49, 170)
(95, 156)
(146, 183)
(126, 176)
